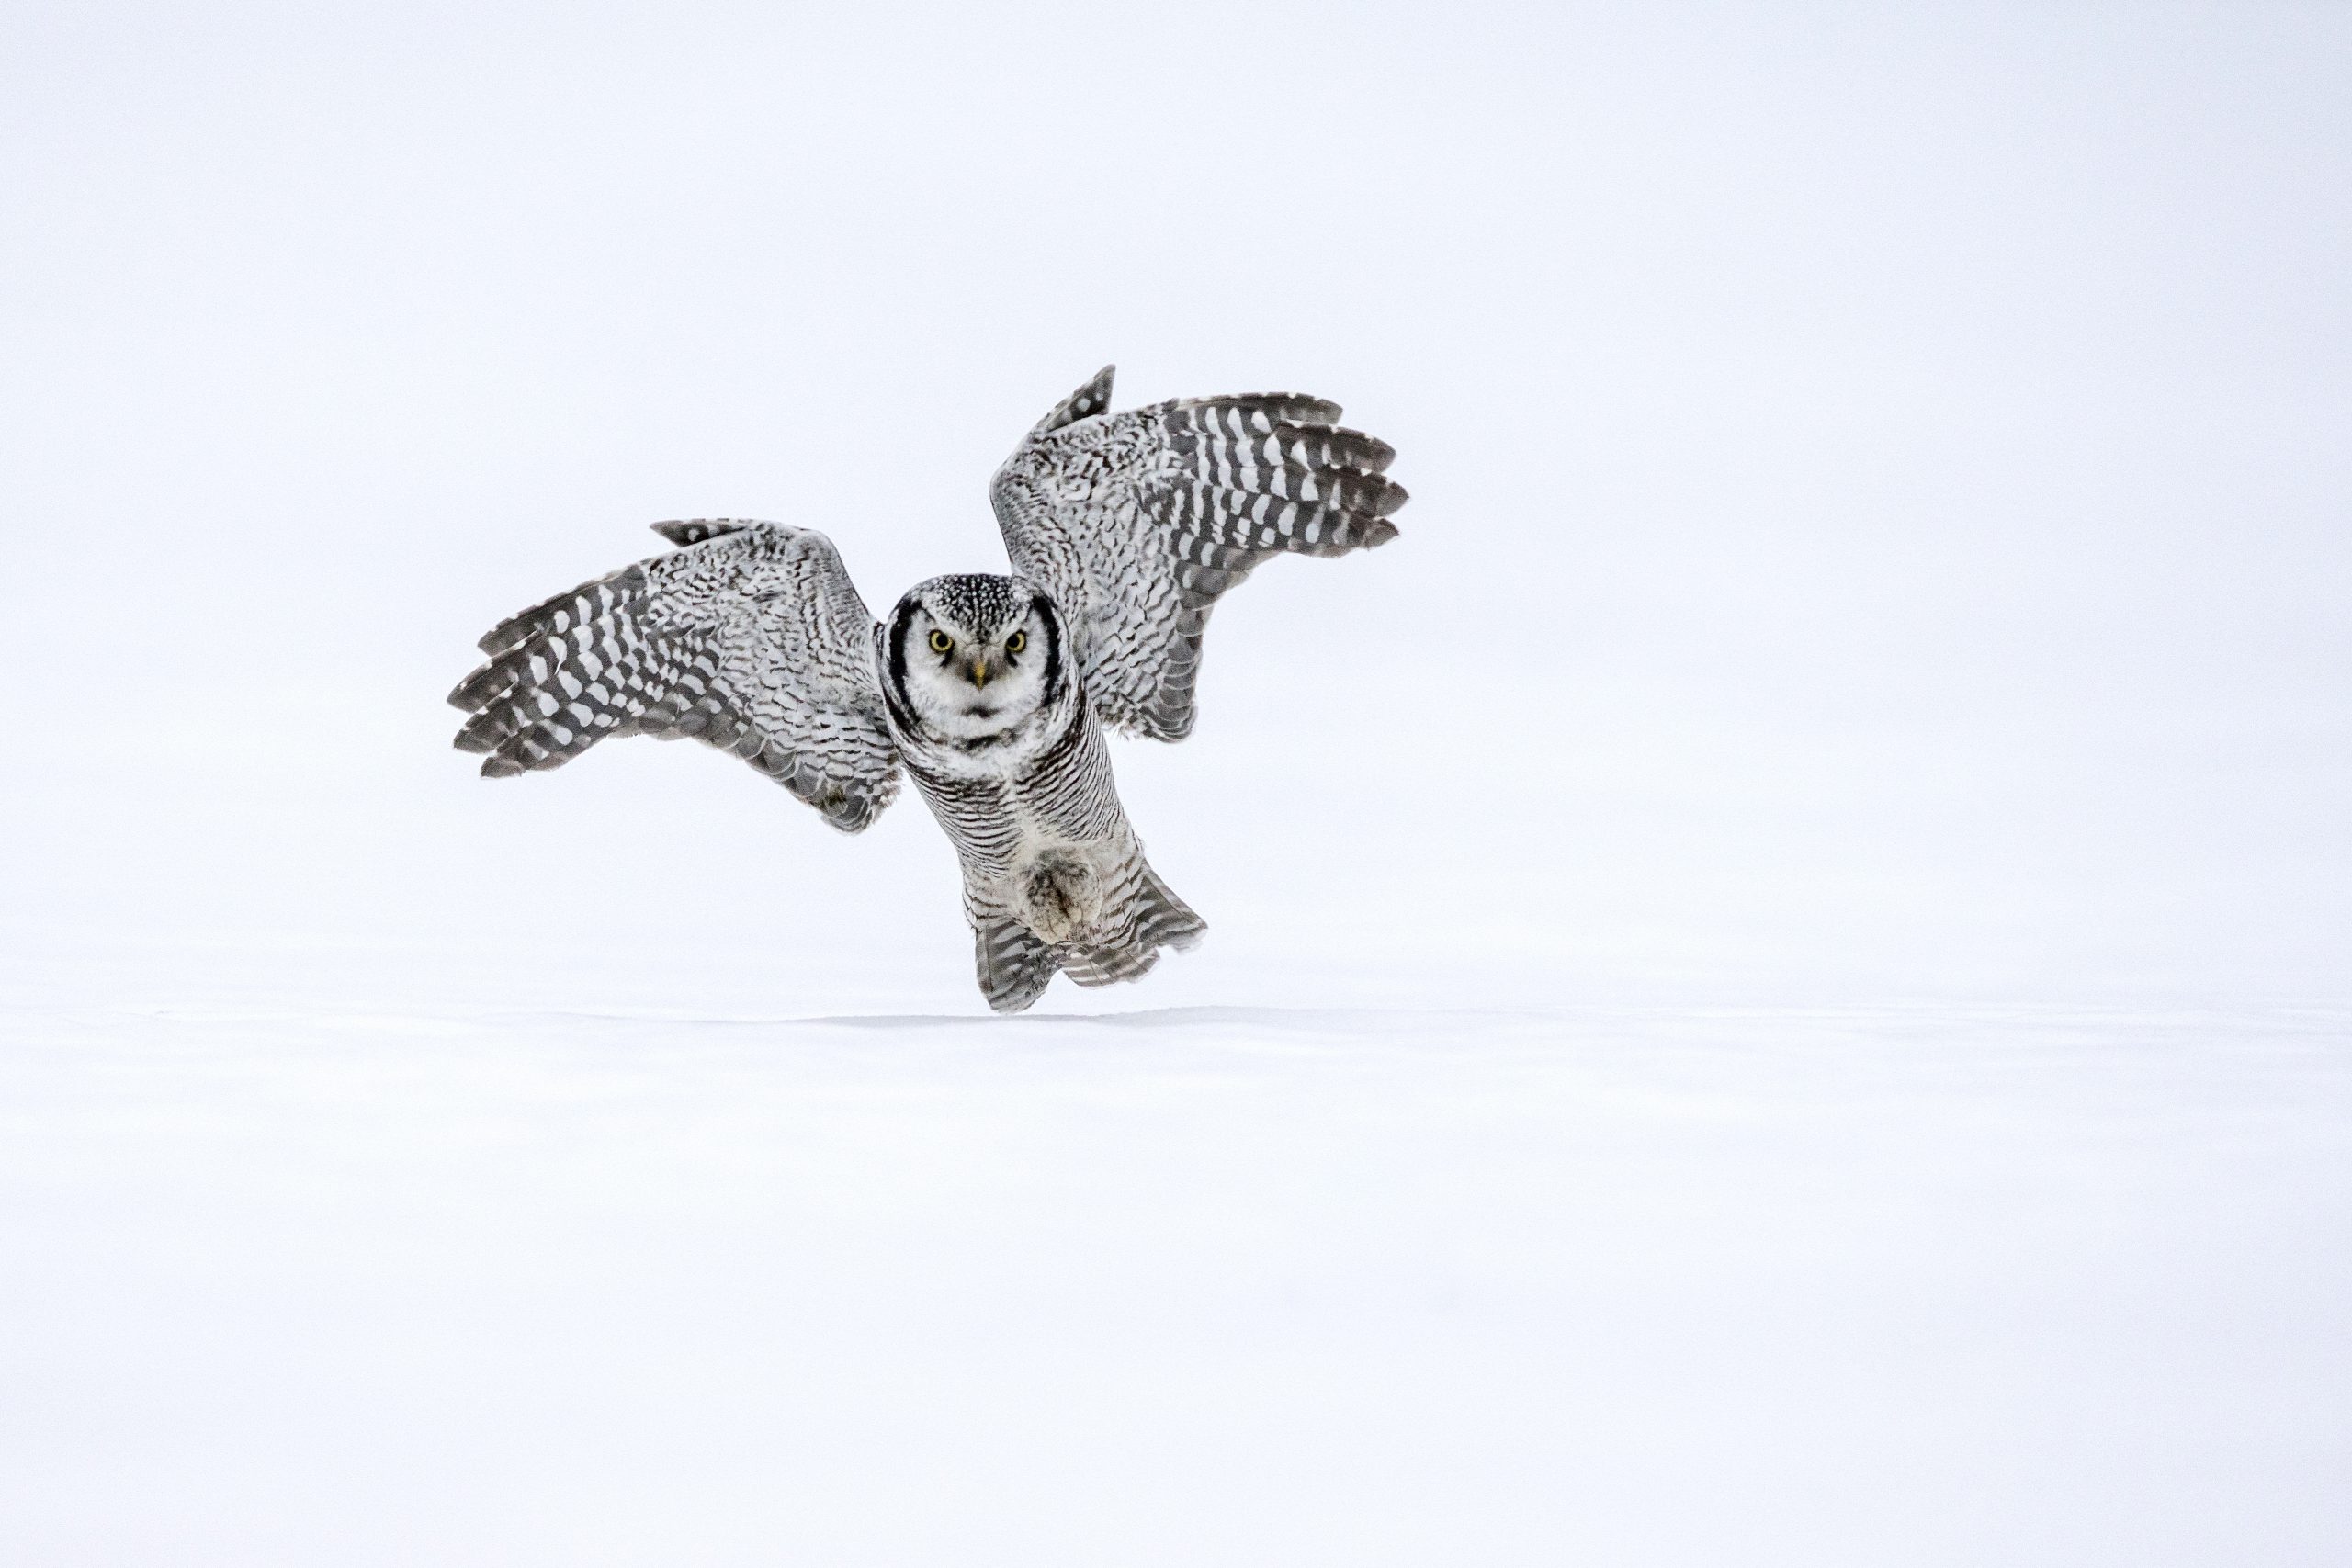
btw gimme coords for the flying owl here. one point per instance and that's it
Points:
(991, 693)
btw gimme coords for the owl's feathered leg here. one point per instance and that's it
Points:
(1058, 893)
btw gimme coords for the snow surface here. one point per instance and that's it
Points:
(1777, 984)
(1183, 1285)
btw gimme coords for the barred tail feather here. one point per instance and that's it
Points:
(1154, 918)
(1015, 966)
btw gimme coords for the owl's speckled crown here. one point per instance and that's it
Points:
(977, 602)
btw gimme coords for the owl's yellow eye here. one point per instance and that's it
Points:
(1016, 642)
(942, 643)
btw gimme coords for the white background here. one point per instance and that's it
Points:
(1778, 987)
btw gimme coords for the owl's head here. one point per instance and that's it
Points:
(975, 656)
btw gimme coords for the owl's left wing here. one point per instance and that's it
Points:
(1137, 522)
(750, 638)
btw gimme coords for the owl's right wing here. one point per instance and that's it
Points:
(1137, 522)
(750, 639)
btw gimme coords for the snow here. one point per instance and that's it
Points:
(1777, 989)
(2027, 1286)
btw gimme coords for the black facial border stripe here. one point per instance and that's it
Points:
(900, 625)
(1045, 612)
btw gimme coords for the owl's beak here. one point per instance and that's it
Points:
(979, 672)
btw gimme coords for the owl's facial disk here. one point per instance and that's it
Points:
(973, 681)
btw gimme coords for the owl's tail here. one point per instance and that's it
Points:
(1128, 944)
(1016, 965)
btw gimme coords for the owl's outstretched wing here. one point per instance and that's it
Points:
(750, 637)
(1136, 521)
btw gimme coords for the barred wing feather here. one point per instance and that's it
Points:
(1137, 522)
(750, 637)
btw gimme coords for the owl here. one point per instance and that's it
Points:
(992, 694)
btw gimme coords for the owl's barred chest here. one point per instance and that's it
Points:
(1002, 811)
